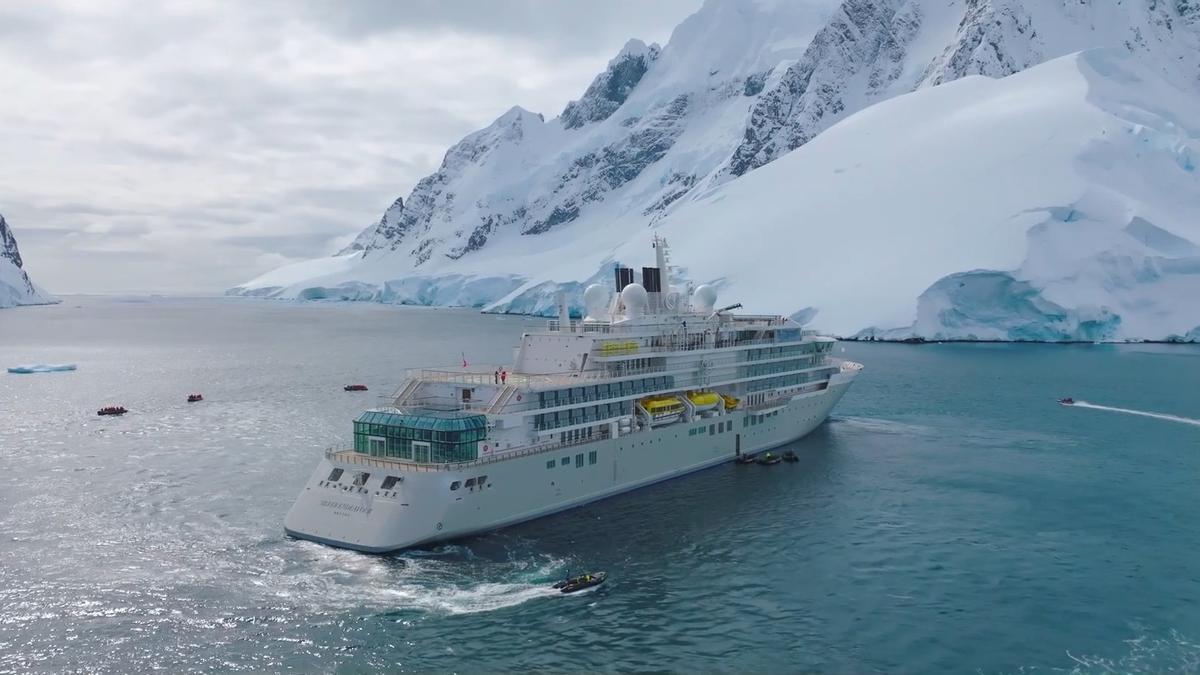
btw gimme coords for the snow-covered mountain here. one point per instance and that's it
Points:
(15, 286)
(1051, 178)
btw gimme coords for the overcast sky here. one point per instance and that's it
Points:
(184, 147)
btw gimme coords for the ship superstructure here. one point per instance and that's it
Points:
(653, 383)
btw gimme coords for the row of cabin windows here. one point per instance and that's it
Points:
(779, 352)
(472, 483)
(718, 428)
(599, 392)
(776, 367)
(360, 479)
(576, 435)
(754, 420)
(565, 461)
(591, 413)
(789, 380)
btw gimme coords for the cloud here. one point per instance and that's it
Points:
(204, 140)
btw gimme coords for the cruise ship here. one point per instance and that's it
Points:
(655, 382)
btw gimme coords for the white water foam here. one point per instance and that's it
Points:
(1140, 413)
(419, 580)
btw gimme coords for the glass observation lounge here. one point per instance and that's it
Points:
(423, 436)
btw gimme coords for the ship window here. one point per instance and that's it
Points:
(578, 460)
(390, 482)
(482, 480)
(335, 475)
(592, 457)
(712, 428)
(455, 485)
(701, 430)
(564, 461)
(692, 431)
(470, 483)
(550, 464)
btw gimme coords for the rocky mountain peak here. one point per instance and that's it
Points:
(15, 285)
(612, 87)
(8, 244)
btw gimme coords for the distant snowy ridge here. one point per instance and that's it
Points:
(526, 207)
(15, 286)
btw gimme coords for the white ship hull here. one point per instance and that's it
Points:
(422, 508)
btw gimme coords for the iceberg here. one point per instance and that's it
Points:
(42, 368)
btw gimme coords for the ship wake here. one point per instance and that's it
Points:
(1140, 413)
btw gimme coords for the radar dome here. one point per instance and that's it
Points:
(635, 300)
(595, 300)
(704, 298)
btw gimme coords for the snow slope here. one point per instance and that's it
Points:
(15, 286)
(1056, 204)
(676, 137)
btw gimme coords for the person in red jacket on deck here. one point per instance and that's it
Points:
(503, 376)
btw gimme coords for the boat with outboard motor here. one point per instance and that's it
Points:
(1066, 401)
(656, 381)
(769, 458)
(112, 410)
(355, 387)
(195, 398)
(579, 583)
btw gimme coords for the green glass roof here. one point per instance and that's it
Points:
(436, 420)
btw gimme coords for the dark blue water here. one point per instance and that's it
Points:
(950, 518)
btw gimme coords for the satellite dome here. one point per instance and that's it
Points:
(704, 298)
(595, 301)
(635, 300)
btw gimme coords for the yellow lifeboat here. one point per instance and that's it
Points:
(730, 401)
(662, 409)
(704, 400)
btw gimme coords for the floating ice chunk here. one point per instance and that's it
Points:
(42, 368)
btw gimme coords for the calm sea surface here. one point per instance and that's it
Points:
(949, 518)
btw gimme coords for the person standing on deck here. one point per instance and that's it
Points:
(496, 377)
(503, 376)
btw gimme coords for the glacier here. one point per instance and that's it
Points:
(15, 286)
(893, 169)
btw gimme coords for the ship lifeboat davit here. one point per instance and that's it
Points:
(704, 400)
(355, 387)
(662, 409)
(731, 402)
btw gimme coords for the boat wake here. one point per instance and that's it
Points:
(483, 597)
(449, 580)
(1139, 413)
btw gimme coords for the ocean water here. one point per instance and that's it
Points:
(949, 518)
